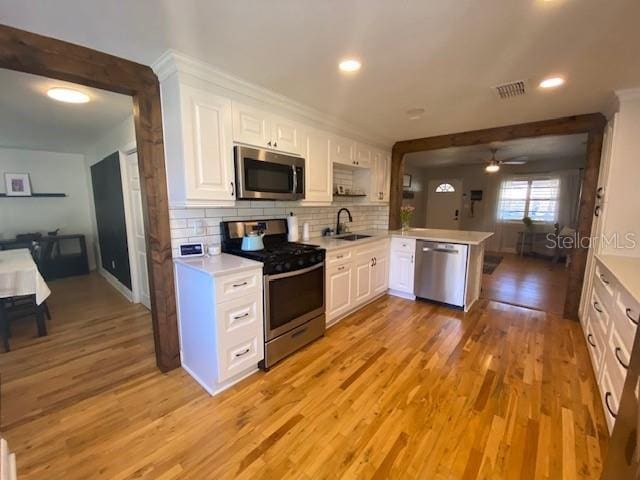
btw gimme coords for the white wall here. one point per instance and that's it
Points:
(50, 172)
(484, 217)
(419, 200)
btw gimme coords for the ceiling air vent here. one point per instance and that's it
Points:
(511, 89)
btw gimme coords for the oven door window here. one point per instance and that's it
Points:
(292, 297)
(261, 176)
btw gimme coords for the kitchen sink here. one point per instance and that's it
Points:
(353, 236)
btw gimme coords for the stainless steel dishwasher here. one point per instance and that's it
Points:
(441, 272)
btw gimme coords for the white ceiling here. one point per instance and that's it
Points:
(535, 149)
(442, 56)
(30, 119)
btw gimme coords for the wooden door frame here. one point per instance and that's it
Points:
(592, 124)
(31, 53)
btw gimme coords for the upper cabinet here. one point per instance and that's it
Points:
(364, 156)
(256, 127)
(380, 177)
(319, 170)
(343, 151)
(199, 145)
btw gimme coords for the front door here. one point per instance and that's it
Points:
(444, 204)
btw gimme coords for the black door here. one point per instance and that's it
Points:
(112, 229)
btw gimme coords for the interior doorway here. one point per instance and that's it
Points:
(444, 204)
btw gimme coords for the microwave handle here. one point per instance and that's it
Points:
(295, 179)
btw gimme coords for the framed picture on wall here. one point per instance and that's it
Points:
(17, 184)
(406, 181)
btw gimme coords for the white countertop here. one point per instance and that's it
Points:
(450, 236)
(217, 265)
(625, 270)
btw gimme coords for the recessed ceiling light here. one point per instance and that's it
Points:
(350, 65)
(415, 113)
(552, 82)
(67, 95)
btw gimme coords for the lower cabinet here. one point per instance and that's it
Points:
(221, 325)
(610, 319)
(355, 276)
(402, 267)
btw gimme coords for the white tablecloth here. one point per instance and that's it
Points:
(19, 275)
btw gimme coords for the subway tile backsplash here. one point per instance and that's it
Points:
(203, 224)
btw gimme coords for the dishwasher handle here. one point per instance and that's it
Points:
(440, 250)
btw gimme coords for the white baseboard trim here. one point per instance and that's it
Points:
(115, 283)
(219, 387)
(398, 293)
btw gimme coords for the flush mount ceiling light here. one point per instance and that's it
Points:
(349, 65)
(552, 82)
(67, 95)
(415, 113)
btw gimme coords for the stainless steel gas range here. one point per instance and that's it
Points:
(294, 289)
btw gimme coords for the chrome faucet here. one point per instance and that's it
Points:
(339, 228)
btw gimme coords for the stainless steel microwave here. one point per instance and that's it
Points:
(266, 175)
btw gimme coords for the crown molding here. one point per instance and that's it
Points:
(172, 62)
(628, 94)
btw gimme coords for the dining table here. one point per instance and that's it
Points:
(20, 277)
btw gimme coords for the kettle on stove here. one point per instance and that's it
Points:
(252, 241)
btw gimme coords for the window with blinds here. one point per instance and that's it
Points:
(536, 198)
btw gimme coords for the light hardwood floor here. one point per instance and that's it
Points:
(398, 390)
(527, 281)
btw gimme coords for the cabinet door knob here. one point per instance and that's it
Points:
(269, 143)
(275, 144)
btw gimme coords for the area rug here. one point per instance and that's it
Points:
(491, 262)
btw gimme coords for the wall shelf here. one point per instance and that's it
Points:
(37, 195)
(349, 195)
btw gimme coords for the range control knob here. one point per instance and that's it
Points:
(278, 267)
(301, 262)
(287, 266)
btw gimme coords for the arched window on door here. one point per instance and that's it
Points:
(445, 188)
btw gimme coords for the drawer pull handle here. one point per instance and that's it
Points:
(596, 212)
(635, 321)
(600, 192)
(625, 366)
(236, 285)
(238, 317)
(604, 279)
(596, 305)
(340, 268)
(244, 352)
(339, 256)
(606, 402)
(590, 340)
(298, 333)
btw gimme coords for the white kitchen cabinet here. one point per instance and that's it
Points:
(342, 151)
(319, 170)
(380, 271)
(380, 177)
(220, 319)
(362, 271)
(402, 267)
(339, 286)
(253, 126)
(355, 276)
(198, 145)
(364, 155)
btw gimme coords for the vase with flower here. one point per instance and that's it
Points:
(406, 212)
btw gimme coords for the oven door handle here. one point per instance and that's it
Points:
(295, 179)
(295, 272)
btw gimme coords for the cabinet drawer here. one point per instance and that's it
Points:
(403, 245)
(237, 285)
(341, 256)
(617, 362)
(606, 284)
(598, 315)
(239, 318)
(236, 356)
(609, 399)
(596, 346)
(626, 316)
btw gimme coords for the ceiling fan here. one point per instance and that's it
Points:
(493, 165)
